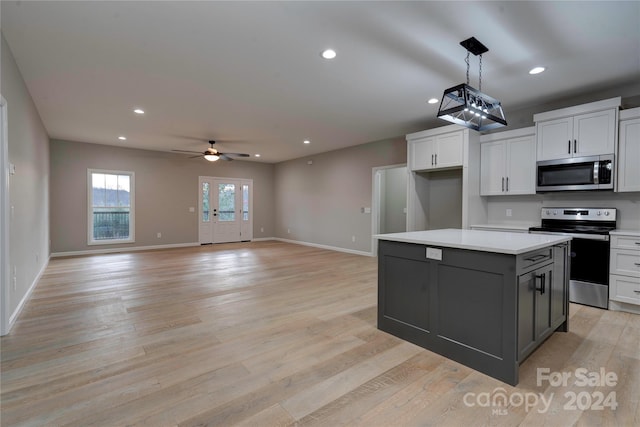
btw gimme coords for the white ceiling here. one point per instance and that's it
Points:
(250, 75)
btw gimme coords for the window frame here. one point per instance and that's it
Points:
(132, 222)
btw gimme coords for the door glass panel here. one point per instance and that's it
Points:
(245, 202)
(205, 202)
(226, 202)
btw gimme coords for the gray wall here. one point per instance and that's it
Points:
(166, 186)
(29, 187)
(321, 202)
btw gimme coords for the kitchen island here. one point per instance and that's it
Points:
(486, 299)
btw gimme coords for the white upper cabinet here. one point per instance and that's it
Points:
(440, 151)
(629, 151)
(508, 163)
(584, 130)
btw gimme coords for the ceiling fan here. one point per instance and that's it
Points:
(211, 154)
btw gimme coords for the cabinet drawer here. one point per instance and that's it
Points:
(624, 289)
(534, 258)
(625, 262)
(625, 242)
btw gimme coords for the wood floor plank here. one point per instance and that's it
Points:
(266, 334)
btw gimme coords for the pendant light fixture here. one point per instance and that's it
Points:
(467, 106)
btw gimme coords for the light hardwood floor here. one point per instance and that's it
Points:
(272, 334)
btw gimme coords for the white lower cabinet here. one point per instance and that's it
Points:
(508, 163)
(624, 279)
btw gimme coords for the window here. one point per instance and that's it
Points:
(111, 207)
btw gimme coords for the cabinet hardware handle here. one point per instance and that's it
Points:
(507, 184)
(637, 263)
(432, 160)
(436, 158)
(637, 243)
(575, 145)
(569, 148)
(543, 279)
(637, 292)
(535, 258)
(503, 183)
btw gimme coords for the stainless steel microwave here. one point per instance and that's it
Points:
(576, 174)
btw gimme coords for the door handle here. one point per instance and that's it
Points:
(543, 279)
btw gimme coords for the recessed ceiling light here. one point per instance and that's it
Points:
(433, 101)
(257, 155)
(306, 141)
(536, 70)
(122, 138)
(138, 111)
(329, 54)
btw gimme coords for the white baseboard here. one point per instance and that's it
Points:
(623, 306)
(263, 239)
(331, 248)
(128, 249)
(25, 298)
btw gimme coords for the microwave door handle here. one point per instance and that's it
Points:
(596, 170)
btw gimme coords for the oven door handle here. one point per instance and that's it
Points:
(601, 237)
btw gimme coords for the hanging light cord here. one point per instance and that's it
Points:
(479, 75)
(467, 61)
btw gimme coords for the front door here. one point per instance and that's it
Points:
(225, 210)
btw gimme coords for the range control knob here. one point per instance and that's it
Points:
(598, 213)
(606, 213)
(548, 212)
(555, 212)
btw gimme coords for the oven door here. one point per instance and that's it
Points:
(589, 268)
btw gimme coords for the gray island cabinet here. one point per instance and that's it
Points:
(485, 299)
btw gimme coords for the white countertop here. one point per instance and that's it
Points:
(506, 227)
(478, 240)
(635, 233)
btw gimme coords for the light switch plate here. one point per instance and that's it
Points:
(434, 253)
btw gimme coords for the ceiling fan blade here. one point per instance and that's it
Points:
(187, 151)
(193, 157)
(225, 157)
(237, 154)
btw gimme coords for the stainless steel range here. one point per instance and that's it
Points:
(590, 229)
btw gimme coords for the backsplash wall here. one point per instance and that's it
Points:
(526, 209)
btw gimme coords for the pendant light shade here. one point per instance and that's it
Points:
(467, 106)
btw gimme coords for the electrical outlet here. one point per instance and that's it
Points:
(353, 238)
(509, 212)
(262, 229)
(159, 235)
(288, 231)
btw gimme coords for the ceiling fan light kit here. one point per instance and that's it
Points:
(467, 106)
(212, 154)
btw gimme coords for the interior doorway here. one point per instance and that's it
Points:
(225, 210)
(389, 201)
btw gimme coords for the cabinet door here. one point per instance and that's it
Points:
(629, 153)
(422, 154)
(521, 166)
(594, 133)
(554, 139)
(492, 168)
(534, 309)
(449, 150)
